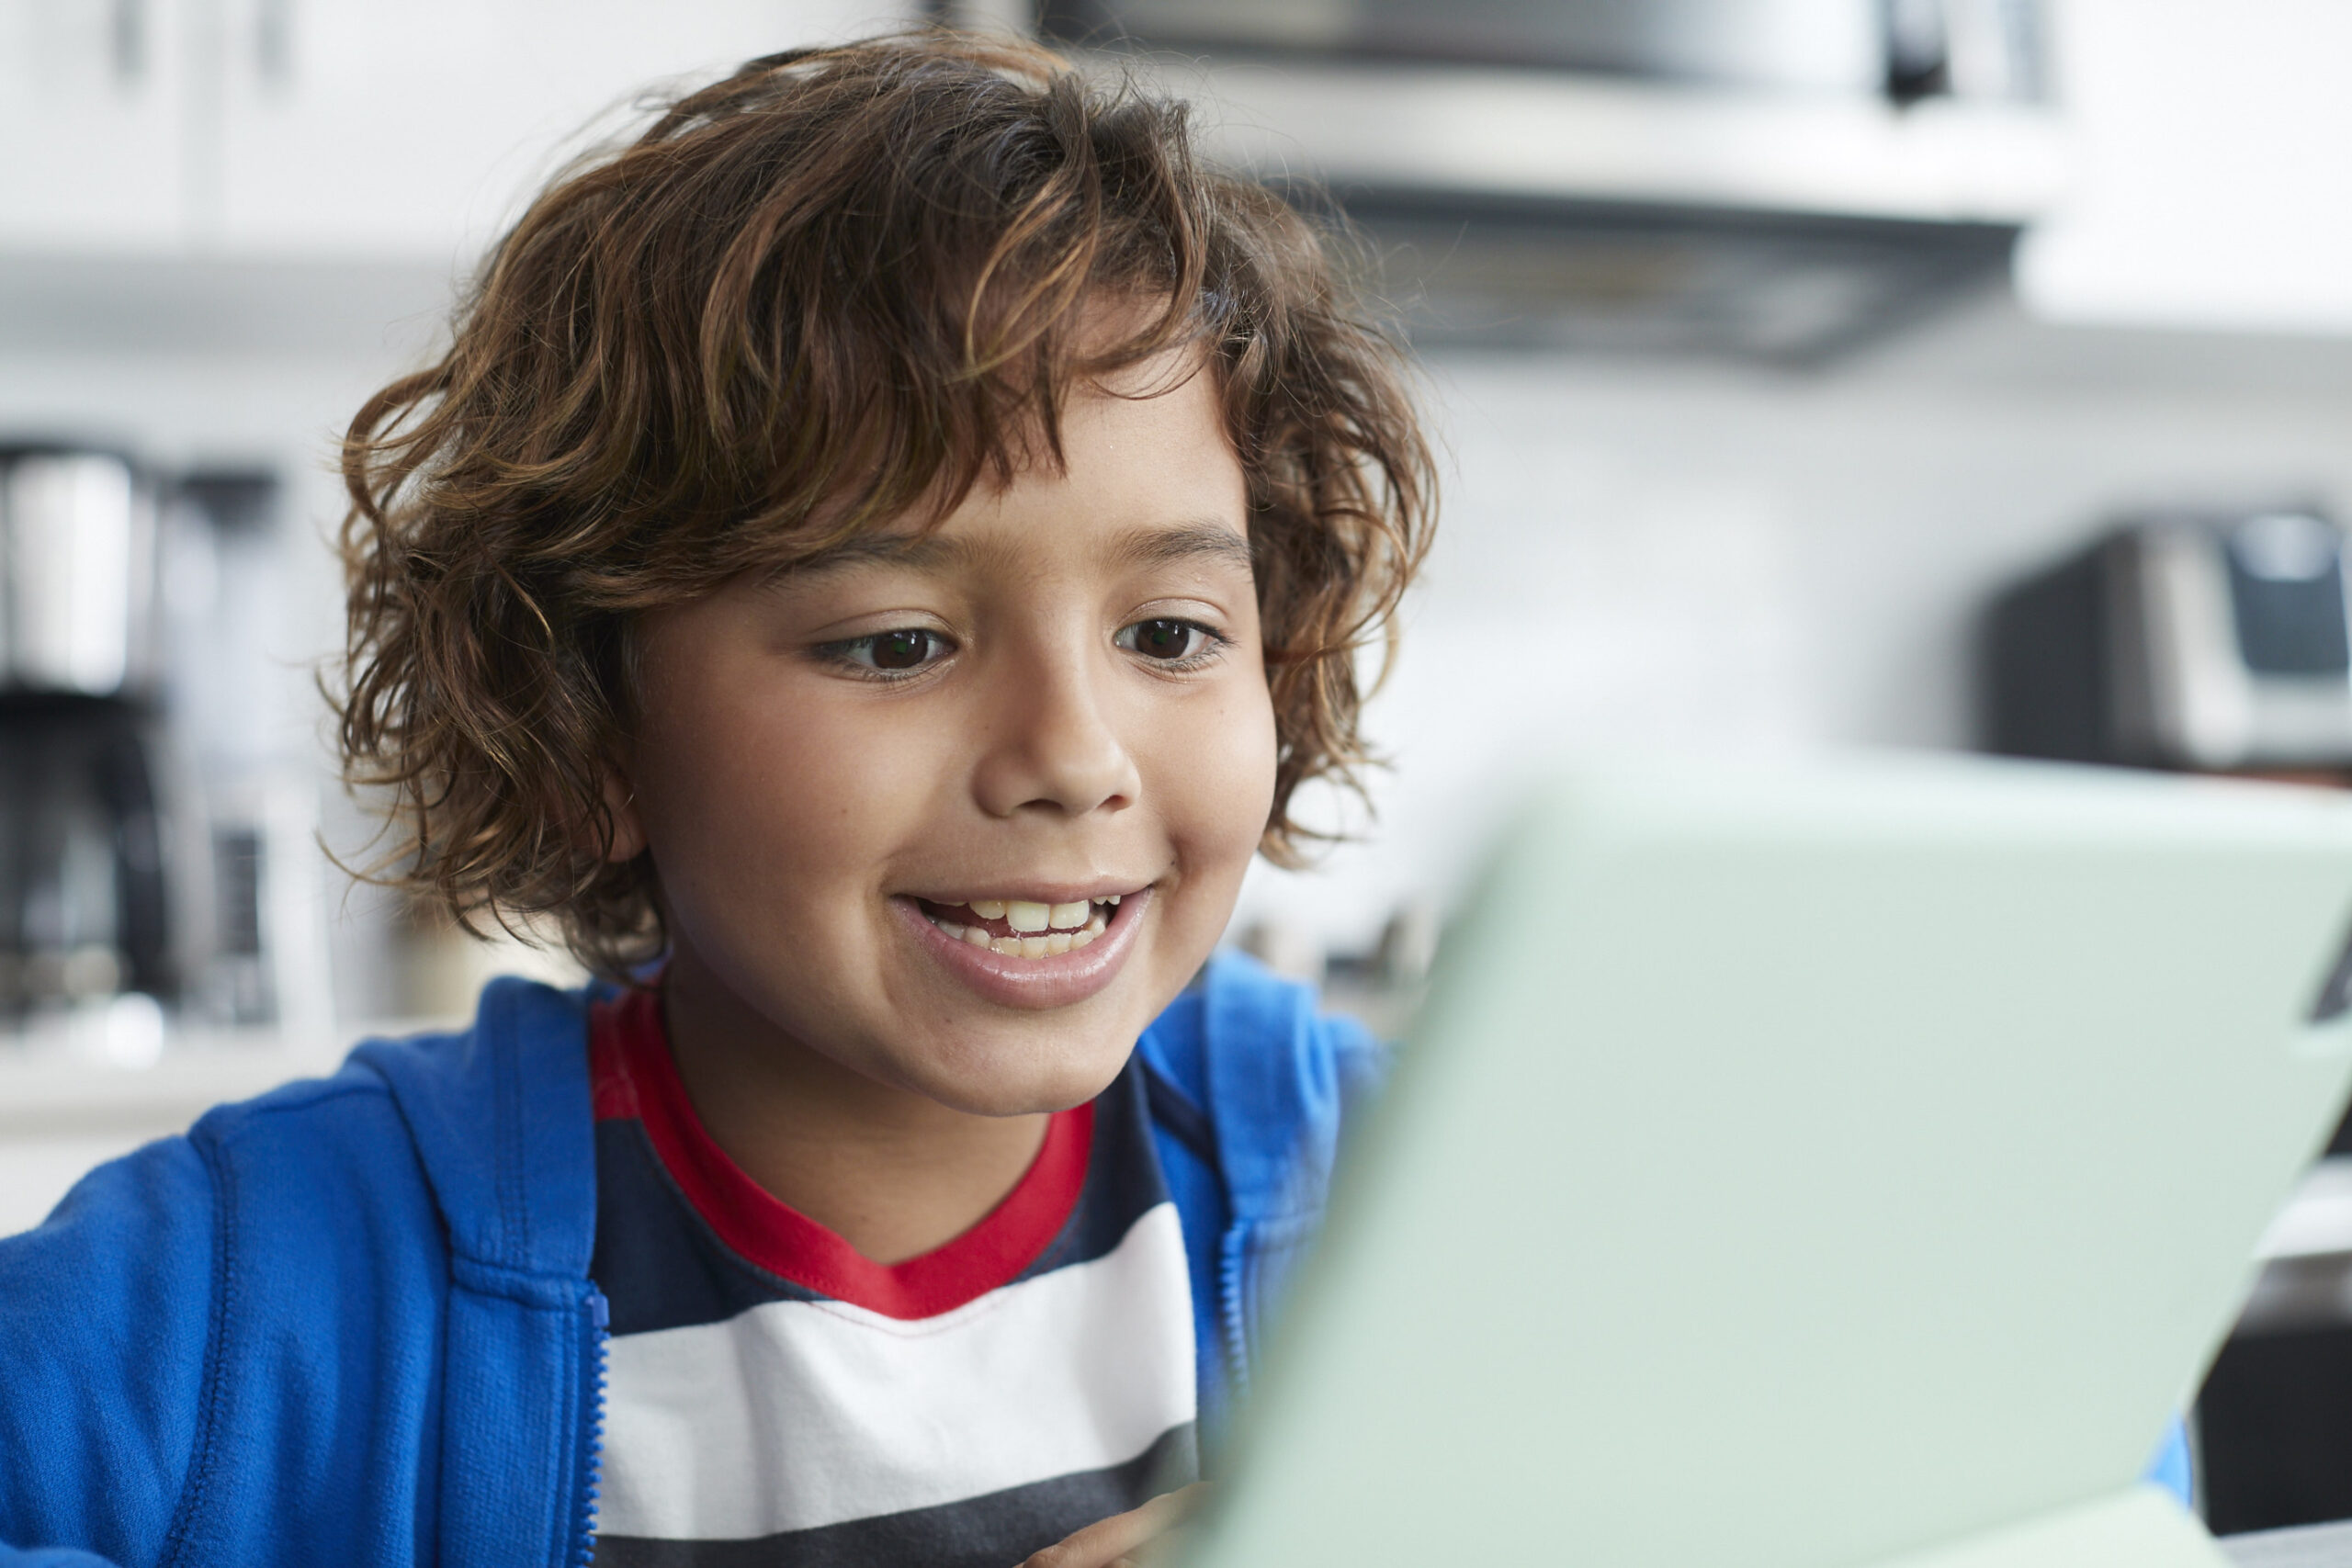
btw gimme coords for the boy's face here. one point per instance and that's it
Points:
(861, 782)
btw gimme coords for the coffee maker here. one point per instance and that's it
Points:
(139, 885)
(87, 934)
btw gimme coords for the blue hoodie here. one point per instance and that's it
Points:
(351, 1322)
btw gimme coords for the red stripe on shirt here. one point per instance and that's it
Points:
(634, 1076)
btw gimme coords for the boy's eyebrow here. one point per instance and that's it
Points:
(1139, 547)
(918, 550)
(1187, 541)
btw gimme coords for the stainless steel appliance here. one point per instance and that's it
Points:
(251, 894)
(87, 883)
(2217, 640)
(77, 571)
(153, 846)
(1909, 49)
(1767, 179)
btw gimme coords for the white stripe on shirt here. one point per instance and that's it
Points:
(793, 1415)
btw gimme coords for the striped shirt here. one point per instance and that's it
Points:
(772, 1398)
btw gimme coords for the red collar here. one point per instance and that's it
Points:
(634, 1076)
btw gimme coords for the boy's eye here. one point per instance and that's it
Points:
(902, 650)
(1165, 640)
(891, 652)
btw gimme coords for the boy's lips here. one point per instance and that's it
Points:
(1030, 952)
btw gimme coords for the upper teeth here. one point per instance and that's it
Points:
(1029, 915)
(1069, 926)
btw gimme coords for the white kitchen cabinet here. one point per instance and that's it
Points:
(94, 112)
(415, 131)
(2215, 154)
(309, 128)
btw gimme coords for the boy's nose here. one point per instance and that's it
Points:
(1052, 747)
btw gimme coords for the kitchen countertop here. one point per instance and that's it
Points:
(47, 1093)
(2317, 1219)
(43, 1094)
(2309, 1546)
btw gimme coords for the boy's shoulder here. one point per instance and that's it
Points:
(499, 1120)
(475, 1145)
(204, 1289)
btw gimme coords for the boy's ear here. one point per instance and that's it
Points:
(628, 842)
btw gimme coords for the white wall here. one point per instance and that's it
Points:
(1716, 557)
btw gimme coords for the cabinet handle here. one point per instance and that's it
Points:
(274, 42)
(127, 42)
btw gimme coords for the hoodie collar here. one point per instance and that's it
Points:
(501, 1121)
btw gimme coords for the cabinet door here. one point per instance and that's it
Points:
(92, 105)
(2216, 187)
(417, 130)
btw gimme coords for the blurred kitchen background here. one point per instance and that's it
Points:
(1937, 373)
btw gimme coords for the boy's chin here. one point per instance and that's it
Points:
(1021, 1088)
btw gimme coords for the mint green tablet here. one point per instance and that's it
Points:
(1812, 1168)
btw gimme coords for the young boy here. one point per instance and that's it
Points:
(877, 558)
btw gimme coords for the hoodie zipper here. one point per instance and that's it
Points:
(591, 1446)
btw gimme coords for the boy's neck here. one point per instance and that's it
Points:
(893, 1173)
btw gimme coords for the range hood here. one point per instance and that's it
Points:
(1764, 179)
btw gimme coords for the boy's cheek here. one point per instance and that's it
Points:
(1217, 787)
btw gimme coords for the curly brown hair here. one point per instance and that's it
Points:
(840, 287)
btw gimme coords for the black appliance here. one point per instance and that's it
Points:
(86, 887)
(2215, 641)
(84, 903)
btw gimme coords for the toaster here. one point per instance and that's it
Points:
(2214, 641)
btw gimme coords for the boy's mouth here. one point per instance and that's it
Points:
(1021, 928)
